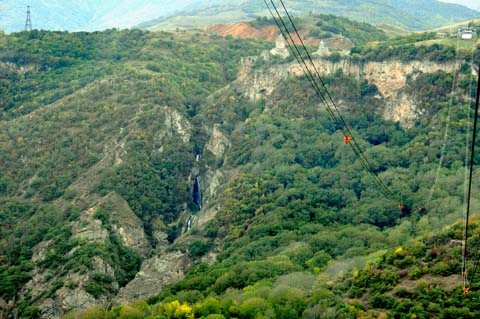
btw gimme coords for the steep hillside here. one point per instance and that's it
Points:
(406, 14)
(419, 279)
(185, 163)
(336, 31)
(98, 157)
(300, 232)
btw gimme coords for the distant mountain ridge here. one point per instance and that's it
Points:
(408, 14)
(90, 15)
(473, 4)
(87, 15)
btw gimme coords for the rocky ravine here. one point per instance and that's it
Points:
(166, 264)
(389, 77)
(168, 267)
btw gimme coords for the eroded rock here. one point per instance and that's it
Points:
(389, 77)
(218, 143)
(125, 223)
(155, 273)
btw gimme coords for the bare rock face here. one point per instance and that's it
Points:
(155, 273)
(69, 299)
(11, 67)
(89, 229)
(72, 296)
(40, 251)
(75, 300)
(176, 123)
(39, 284)
(213, 181)
(75, 297)
(401, 108)
(204, 217)
(256, 84)
(389, 77)
(50, 309)
(245, 68)
(218, 144)
(125, 223)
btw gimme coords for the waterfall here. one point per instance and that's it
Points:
(197, 193)
(190, 221)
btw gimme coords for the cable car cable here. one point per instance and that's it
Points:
(340, 121)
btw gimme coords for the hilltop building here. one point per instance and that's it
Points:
(280, 48)
(322, 50)
(467, 34)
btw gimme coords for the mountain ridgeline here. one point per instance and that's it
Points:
(86, 15)
(92, 15)
(196, 173)
(404, 14)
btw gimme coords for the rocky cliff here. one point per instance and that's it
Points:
(390, 77)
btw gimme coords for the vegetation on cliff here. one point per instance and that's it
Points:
(416, 280)
(65, 96)
(305, 234)
(84, 118)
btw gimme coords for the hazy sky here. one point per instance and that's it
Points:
(474, 4)
(86, 14)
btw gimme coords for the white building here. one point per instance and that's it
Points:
(322, 50)
(467, 34)
(280, 48)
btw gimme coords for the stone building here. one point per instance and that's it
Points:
(280, 48)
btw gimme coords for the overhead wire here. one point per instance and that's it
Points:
(467, 155)
(286, 34)
(468, 107)
(334, 112)
(324, 95)
(299, 58)
(468, 282)
(447, 130)
(344, 124)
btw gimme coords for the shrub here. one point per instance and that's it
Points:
(198, 248)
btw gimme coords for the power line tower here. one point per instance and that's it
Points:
(28, 22)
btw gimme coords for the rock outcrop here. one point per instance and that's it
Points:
(14, 68)
(401, 108)
(218, 143)
(155, 273)
(89, 229)
(175, 123)
(125, 223)
(389, 77)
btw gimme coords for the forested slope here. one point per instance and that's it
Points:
(136, 164)
(93, 126)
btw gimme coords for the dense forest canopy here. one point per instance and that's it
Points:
(96, 125)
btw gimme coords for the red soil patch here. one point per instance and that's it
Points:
(244, 30)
